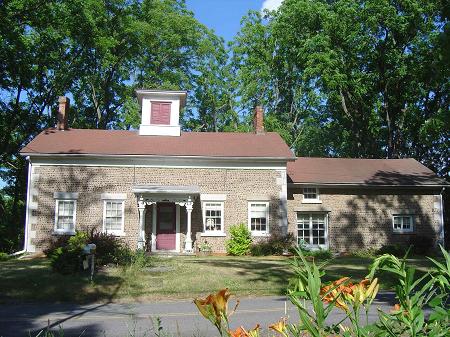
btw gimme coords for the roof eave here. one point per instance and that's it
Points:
(123, 156)
(363, 184)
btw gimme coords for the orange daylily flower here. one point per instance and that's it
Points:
(341, 291)
(241, 332)
(215, 307)
(279, 326)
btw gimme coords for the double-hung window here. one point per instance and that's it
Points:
(403, 223)
(113, 216)
(213, 216)
(65, 212)
(311, 195)
(258, 217)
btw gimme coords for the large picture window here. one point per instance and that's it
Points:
(258, 217)
(213, 216)
(65, 215)
(312, 230)
(113, 217)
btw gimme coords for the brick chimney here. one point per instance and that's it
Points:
(258, 119)
(63, 112)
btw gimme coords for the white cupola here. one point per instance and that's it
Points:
(160, 112)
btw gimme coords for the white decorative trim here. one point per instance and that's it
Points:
(213, 234)
(249, 163)
(283, 212)
(65, 195)
(213, 197)
(113, 196)
(311, 201)
(177, 228)
(159, 130)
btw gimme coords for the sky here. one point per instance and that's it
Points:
(224, 16)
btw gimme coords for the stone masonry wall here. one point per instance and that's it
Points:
(362, 218)
(240, 185)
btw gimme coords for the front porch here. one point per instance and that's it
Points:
(165, 218)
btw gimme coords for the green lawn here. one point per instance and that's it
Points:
(177, 277)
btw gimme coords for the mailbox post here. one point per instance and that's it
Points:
(89, 252)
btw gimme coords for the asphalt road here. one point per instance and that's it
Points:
(178, 318)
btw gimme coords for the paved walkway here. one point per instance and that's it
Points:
(179, 318)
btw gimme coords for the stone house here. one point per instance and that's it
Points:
(162, 189)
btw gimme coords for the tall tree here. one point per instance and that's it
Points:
(375, 73)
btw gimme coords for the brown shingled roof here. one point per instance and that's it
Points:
(361, 171)
(121, 142)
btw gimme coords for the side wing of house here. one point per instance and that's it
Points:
(347, 204)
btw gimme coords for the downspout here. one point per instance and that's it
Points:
(27, 210)
(442, 233)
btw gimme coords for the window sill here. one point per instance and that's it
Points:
(64, 233)
(311, 201)
(403, 232)
(116, 233)
(260, 234)
(212, 234)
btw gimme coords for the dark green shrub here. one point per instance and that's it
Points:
(61, 241)
(322, 254)
(109, 249)
(276, 244)
(240, 241)
(4, 256)
(395, 249)
(261, 249)
(421, 245)
(67, 259)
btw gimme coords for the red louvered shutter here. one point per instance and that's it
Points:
(160, 113)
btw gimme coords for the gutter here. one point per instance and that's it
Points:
(145, 156)
(27, 209)
(344, 185)
(442, 231)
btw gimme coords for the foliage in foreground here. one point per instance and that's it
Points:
(316, 300)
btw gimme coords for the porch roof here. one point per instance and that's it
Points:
(166, 189)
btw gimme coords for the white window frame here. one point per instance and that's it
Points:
(220, 232)
(249, 208)
(311, 245)
(403, 230)
(120, 232)
(315, 200)
(64, 231)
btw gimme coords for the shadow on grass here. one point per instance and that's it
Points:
(34, 281)
(255, 270)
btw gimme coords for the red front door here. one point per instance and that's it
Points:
(165, 226)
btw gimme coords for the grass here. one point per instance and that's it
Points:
(177, 277)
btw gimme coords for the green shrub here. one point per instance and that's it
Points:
(4, 256)
(322, 254)
(276, 244)
(395, 249)
(67, 259)
(261, 249)
(368, 253)
(109, 249)
(240, 241)
(421, 245)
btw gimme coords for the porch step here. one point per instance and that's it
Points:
(168, 254)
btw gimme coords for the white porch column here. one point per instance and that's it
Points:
(141, 238)
(188, 241)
